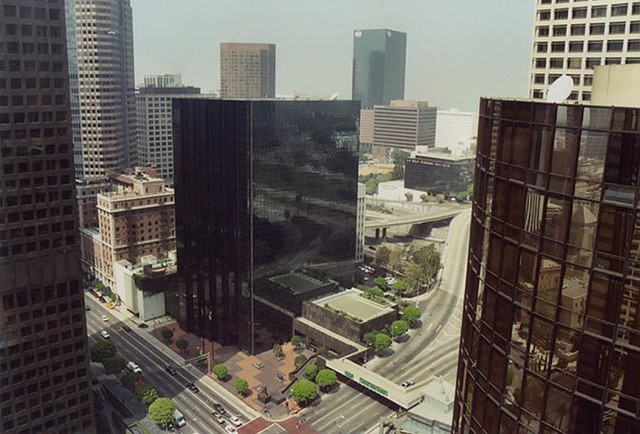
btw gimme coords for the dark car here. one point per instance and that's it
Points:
(102, 299)
(87, 308)
(192, 387)
(143, 325)
(220, 409)
(126, 328)
(171, 370)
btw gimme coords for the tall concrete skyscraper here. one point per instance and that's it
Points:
(573, 38)
(103, 90)
(379, 59)
(45, 384)
(247, 70)
(550, 337)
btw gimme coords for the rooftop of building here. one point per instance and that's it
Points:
(297, 283)
(138, 182)
(351, 303)
(442, 156)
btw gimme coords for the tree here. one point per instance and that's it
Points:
(382, 343)
(241, 386)
(326, 378)
(409, 196)
(424, 267)
(300, 360)
(424, 197)
(370, 338)
(114, 365)
(399, 287)
(296, 341)
(101, 351)
(182, 345)
(440, 198)
(311, 371)
(277, 351)
(411, 315)
(323, 351)
(145, 394)
(462, 196)
(166, 333)
(220, 371)
(382, 256)
(161, 411)
(395, 259)
(304, 391)
(376, 291)
(381, 283)
(130, 380)
(398, 328)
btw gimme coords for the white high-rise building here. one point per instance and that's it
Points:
(572, 37)
(454, 128)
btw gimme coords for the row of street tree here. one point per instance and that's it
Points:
(418, 266)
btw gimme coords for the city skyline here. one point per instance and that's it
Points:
(315, 45)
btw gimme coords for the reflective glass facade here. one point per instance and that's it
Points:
(379, 58)
(263, 188)
(551, 331)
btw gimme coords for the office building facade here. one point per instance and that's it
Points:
(155, 135)
(103, 88)
(247, 70)
(379, 59)
(266, 196)
(572, 38)
(439, 173)
(45, 384)
(454, 129)
(551, 330)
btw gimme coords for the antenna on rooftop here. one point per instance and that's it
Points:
(560, 89)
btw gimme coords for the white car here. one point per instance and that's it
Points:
(234, 420)
(133, 367)
(105, 334)
(105, 318)
(230, 429)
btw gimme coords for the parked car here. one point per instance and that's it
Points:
(179, 418)
(230, 429)
(220, 409)
(102, 299)
(143, 326)
(105, 334)
(126, 328)
(408, 384)
(133, 367)
(192, 387)
(105, 318)
(258, 365)
(87, 308)
(218, 418)
(234, 420)
(171, 370)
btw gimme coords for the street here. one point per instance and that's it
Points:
(196, 407)
(431, 351)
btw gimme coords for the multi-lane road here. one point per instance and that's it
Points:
(432, 350)
(132, 345)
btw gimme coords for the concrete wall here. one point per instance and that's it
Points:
(322, 340)
(616, 85)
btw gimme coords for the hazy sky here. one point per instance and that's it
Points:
(457, 50)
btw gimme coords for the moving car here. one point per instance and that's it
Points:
(230, 429)
(133, 367)
(234, 420)
(105, 334)
(192, 387)
(171, 370)
(179, 418)
(87, 308)
(126, 328)
(220, 409)
(105, 318)
(218, 418)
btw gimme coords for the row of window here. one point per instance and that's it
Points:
(591, 46)
(27, 12)
(600, 11)
(576, 62)
(617, 28)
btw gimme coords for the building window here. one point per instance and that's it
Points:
(541, 47)
(579, 13)
(635, 9)
(592, 63)
(594, 47)
(588, 80)
(538, 79)
(618, 10)
(559, 30)
(596, 29)
(574, 63)
(613, 61)
(541, 63)
(544, 15)
(561, 14)
(537, 94)
(542, 31)
(633, 45)
(634, 27)
(598, 11)
(617, 28)
(633, 60)
(557, 47)
(614, 46)
(578, 29)
(556, 63)
(576, 47)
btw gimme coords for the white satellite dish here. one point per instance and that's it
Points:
(560, 89)
(334, 96)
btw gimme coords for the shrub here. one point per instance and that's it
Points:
(166, 333)
(145, 394)
(304, 391)
(382, 343)
(101, 351)
(398, 328)
(161, 411)
(326, 378)
(411, 315)
(220, 371)
(241, 386)
(296, 341)
(311, 371)
(114, 365)
(300, 361)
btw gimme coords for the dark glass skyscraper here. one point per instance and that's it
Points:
(45, 386)
(379, 58)
(551, 328)
(266, 195)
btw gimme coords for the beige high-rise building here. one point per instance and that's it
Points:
(572, 38)
(247, 70)
(45, 383)
(102, 85)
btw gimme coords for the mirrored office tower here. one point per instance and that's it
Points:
(266, 196)
(379, 58)
(551, 328)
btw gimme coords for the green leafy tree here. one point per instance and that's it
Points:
(323, 351)
(102, 350)
(382, 343)
(300, 360)
(462, 196)
(399, 287)
(398, 328)
(376, 291)
(424, 197)
(381, 283)
(220, 371)
(166, 333)
(241, 386)
(326, 378)
(411, 315)
(470, 189)
(112, 296)
(304, 391)
(145, 394)
(114, 365)
(182, 345)
(396, 260)
(382, 256)
(296, 341)
(409, 196)
(311, 371)
(161, 411)
(423, 269)
(440, 198)
(370, 338)
(130, 380)
(277, 351)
